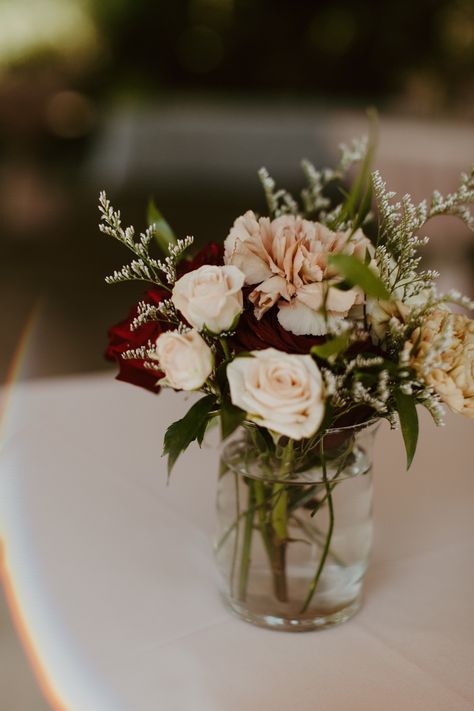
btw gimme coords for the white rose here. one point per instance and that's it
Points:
(279, 391)
(185, 359)
(210, 297)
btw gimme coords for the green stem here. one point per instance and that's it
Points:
(280, 528)
(236, 540)
(279, 511)
(248, 529)
(317, 536)
(262, 516)
(225, 348)
(226, 535)
(315, 581)
(280, 586)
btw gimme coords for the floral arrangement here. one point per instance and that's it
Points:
(308, 325)
(301, 322)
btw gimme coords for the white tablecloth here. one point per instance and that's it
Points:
(113, 574)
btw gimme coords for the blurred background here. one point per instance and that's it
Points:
(184, 101)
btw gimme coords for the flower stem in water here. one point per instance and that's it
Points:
(315, 581)
(248, 529)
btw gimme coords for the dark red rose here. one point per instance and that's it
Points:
(122, 338)
(254, 335)
(212, 253)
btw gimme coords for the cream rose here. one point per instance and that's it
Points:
(185, 359)
(279, 391)
(451, 371)
(287, 261)
(210, 297)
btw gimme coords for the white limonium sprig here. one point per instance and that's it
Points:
(353, 153)
(150, 365)
(439, 344)
(314, 201)
(363, 395)
(165, 311)
(312, 196)
(400, 221)
(456, 203)
(361, 361)
(145, 313)
(168, 266)
(383, 389)
(432, 402)
(137, 270)
(140, 353)
(280, 202)
(393, 420)
(145, 267)
(142, 268)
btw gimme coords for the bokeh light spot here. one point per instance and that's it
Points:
(70, 114)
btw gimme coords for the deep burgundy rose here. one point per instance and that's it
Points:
(122, 338)
(254, 335)
(212, 253)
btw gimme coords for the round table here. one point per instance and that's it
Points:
(110, 570)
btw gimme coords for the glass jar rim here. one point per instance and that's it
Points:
(358, 426)
(234, 449)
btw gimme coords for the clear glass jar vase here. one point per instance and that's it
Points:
(295, 527)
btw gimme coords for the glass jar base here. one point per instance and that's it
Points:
(311, 620)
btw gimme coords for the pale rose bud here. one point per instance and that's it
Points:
(185, 359)
(210, 297)
(279, 391)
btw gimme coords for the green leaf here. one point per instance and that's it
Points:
(191, 427)
(231, 418)
(364, 208)
(360, 194)
(408, 422)
(359, 274)
(331, 348)
(162, 232)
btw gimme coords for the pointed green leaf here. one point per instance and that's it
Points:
(231, 418)
(191, 427)
(359, 274)
(356, 201)
(364, 209)
(408, 422)
(163, 233)
(332, 348)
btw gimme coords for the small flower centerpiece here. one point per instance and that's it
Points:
(309, 325)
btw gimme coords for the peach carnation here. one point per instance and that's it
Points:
(287, 261)
(451, 371)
